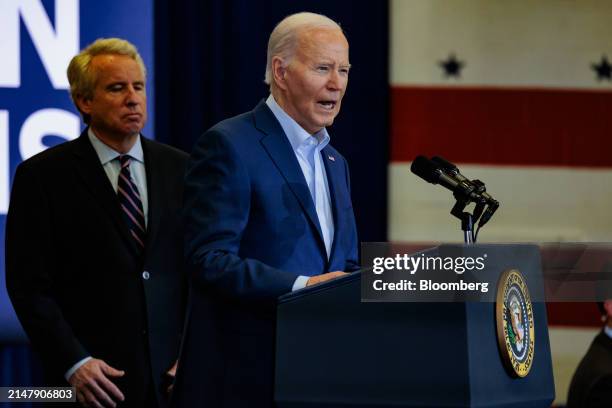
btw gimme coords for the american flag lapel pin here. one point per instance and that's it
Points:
(332, 158)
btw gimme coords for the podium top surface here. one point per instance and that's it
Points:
(309, 290)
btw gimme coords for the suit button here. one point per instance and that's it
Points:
(146, 275)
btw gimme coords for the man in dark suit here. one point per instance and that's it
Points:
(94, 254)
(268, 210)
(591, 385)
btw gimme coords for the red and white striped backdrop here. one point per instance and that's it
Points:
(529, 114)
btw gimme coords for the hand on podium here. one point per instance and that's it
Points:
(324, 277)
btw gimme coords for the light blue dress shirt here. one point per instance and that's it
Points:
(112, 167)
(307, 149)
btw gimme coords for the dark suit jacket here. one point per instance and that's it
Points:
(592, 382)
(72, 269)
(252, 230)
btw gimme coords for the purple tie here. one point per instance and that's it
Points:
(131, 204)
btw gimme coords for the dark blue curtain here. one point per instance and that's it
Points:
(210, 63)
(19, 368)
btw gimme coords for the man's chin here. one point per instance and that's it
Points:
(329, 122)
(133, 130)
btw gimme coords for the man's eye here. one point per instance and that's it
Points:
(322, 68)
(344, 71)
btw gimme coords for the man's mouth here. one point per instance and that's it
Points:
(327, 105)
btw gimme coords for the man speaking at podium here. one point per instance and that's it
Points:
(268, 211)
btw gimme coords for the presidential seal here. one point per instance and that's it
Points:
(515, 325)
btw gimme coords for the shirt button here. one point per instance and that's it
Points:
(146, 275)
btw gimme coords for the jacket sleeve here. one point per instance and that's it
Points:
(29, 276)
(217, 203)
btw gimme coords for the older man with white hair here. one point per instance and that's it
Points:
(268, 211)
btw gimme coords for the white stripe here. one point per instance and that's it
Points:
(548, 43)
(537, 204)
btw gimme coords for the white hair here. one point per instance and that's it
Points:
(284, 37)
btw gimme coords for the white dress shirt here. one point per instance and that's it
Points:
(307, 149)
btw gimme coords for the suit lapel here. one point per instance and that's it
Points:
(95, 180)
(154, 192)
(279, 149)
(336, 182)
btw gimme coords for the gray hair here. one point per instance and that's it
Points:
(284, 37)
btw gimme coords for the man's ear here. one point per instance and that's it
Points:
(84, 104)
(608, 307)
(279, 71)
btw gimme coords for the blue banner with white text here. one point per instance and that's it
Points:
(37, 40)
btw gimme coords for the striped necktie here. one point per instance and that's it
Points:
(131, 204)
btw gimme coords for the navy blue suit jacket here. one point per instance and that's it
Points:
(252, 230)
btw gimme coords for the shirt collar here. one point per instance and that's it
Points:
(107, 154)
(295, 133)
(608, 331)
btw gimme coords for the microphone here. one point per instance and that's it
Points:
(453, 170)
(449, 167)
(433, 173)
(493, 204)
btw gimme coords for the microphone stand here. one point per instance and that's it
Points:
(483, 211)
(467, 219)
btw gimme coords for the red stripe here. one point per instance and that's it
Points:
(134, 220)
(502, 126)
(122, 191)
(136, 238)
(130, 184)
(574, 314)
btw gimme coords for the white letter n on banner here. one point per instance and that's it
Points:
(55, 47)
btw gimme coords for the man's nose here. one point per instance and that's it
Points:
(335, 81)
(131, 97)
